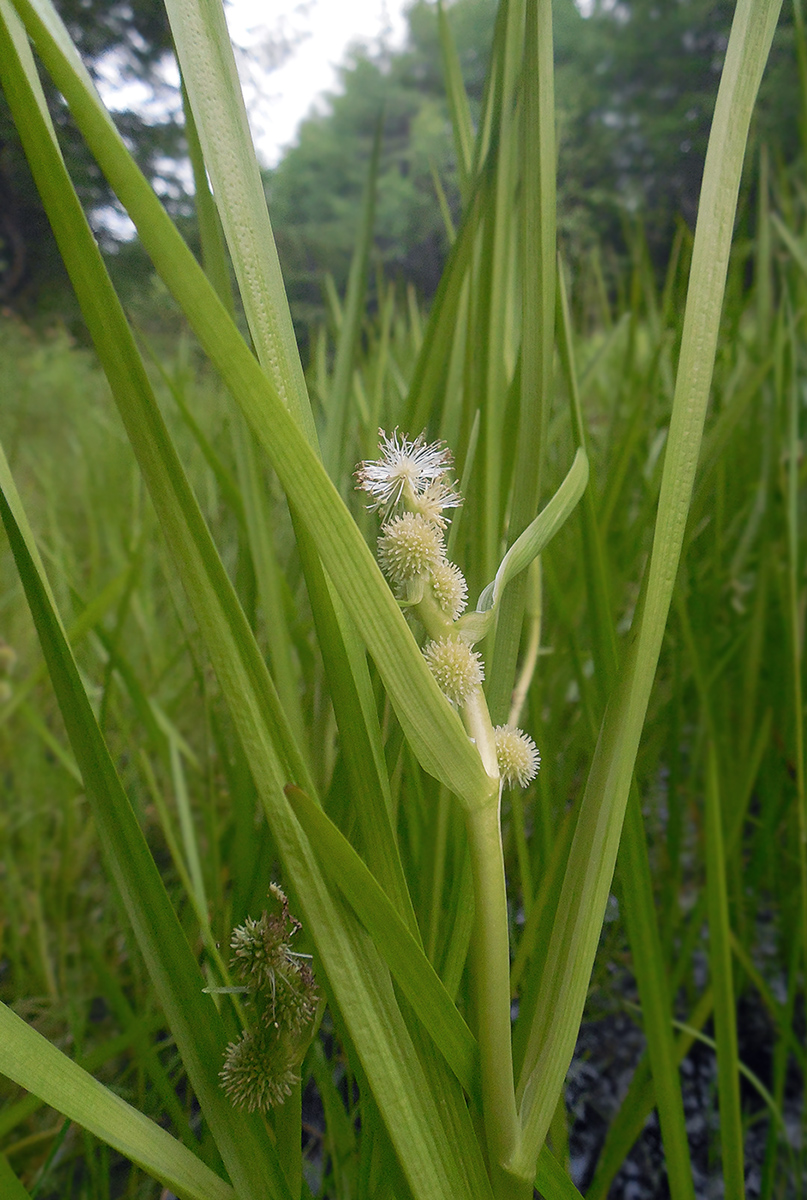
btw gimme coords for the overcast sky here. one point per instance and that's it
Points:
(288, 52)
(320, 32)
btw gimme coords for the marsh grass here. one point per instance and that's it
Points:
(712, 863)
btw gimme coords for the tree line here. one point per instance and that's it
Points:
(635, 87)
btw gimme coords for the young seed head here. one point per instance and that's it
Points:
(408, 547)
(404, 471)
(518, 756)
(456, 667)
(450, 589)
(259, 1072)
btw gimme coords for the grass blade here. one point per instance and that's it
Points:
(461, 123)
(336, 441)
(412, 970)
(538, 250)
(32, 1062)
(431, 725)
(721, 971)
(10, 1185)
(593, 854)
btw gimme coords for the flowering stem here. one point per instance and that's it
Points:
(491, 983)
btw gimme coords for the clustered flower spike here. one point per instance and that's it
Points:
(260, 1069)
(517, 755)
(412, 477)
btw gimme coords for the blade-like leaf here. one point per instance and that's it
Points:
(536, 143)
(593, 854)
(411, 969)
(10, 1186)
(32, 1062)
(431, 725)
(721, 971)
(528, 546)
(552, 1181)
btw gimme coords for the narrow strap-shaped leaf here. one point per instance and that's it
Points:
(535, 538)
(423, 402)
(343, 655)
(411, 969)
(593, 854)
(458, 107)
(551, 1180)
(10, 1186)
(721, 971)
(637, 889)
(31, 1061)
(350, 329)
(536, 141)
(209, 74)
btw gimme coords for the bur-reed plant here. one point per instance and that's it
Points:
(390, 845)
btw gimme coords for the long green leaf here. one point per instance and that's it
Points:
(32, 1062)
(458, 107)
(411, 969)
(537, 264)
(637, 886)
(210, 77)
(720, 967)
(431, 725)
(535, 538)
(552, 1181)
(593, 854)
(10, 1185)
(350, 328)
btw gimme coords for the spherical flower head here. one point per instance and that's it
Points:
(259, 1072)
(404, 471)
(456, 667)
(450, 589)
(437, 496)
(409, 547)
(517, 754)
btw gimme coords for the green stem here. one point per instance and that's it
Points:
(491, 983)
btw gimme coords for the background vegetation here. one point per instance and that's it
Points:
(726, 716)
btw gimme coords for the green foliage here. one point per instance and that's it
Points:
(248, 690)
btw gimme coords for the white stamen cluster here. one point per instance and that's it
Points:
(405, 472)
(517, 754)
(456, 667)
